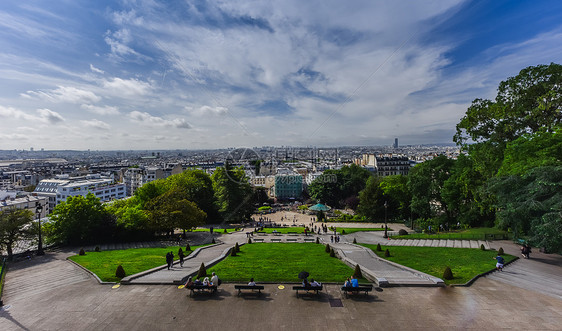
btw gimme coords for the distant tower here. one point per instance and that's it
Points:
(395, 142)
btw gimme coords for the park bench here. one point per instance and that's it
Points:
(307, 289)
(361, 288)
(309, 239)
(276, 233)
(249, 287)
(275, 240)
(259, 240)
(202, 288)
(292, 239)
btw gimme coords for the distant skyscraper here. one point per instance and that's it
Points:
(395, 142)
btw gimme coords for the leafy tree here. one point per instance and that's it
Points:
(532, 204)
(326, 190)
(14, 226)
(425, 182)
(525, 104)
(350, 180)
(371, 200)
(395, 190)
(80, 220)
(234, 193)
(149, 191)
(172, 210)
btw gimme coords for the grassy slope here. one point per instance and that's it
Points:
(282, 262)
(462, 234)
(133, 260)
(464, 262)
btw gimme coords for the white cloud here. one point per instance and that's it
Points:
(49, 116)
(96, 124)
(127, 87)
(64, 94)
(96, 70)
(101, 110)
(207, 111)
(147, 119)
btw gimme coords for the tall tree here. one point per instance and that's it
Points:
(395, 189)
(233, 192)
(371, 200)
(198, 187)
(172, 210)
(14, 226)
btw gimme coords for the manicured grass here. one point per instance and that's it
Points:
(474, 233)
(464, 262)
(282, 262)
(133, 260)
(352, 230)
(214, 230)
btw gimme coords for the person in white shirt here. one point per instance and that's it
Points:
(314, 283)
(252, 283)
(215, 280)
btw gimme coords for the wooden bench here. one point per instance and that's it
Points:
(361, 288)
(307, 289)
(292, 239)
(309, 239)
(202, 288)
(259, 240)
(249, 287)
(276, 240)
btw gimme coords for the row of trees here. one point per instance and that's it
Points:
(510, 172)
(181, 201)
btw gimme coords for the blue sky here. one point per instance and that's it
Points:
(137, 74)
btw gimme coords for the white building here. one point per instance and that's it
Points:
(28, 202)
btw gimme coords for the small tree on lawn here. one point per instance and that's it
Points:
(387, 253)
(120, 272)
(233, 251)
(327, 248)
(202, 271)
(357, 273)
(448, 274)
(332, 253)
(237, 247)
(379, 248)
(187, 247)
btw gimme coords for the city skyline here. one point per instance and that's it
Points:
(149, 75)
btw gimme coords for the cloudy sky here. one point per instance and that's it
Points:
(159, 74)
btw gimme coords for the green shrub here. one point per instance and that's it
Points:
(237, 248)
(213, 241)
(81, 252)
(357, 273)
(120, 272)
(402, 232)
(387, 253)
(379, 248)
(249, 240)
(225, 231)
(354, 241)
(500, 251)
(332, 253)
(482, 247)
(448, 274)
(202, 271)
(233, 251)
(187, 247)
(97, 249)
(342, 231)
(327, 248)
(317, 240)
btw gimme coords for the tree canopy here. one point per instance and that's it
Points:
(14, 226)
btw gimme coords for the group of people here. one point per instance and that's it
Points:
(351, 282)
(334, 239)
(312, 283)
(170, 259)
(214, 281)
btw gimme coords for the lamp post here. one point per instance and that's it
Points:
(385, 226)
(39, 209)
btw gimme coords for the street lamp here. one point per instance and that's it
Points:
(385, 226)
(38, 210)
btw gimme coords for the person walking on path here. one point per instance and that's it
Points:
(168, 260)
(181, 255)
(499, 262)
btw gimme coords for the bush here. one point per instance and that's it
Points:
(342, 231)
(187, 247)
(120, 272)
(447, 274)
(482, 247)
(402, 232)
(225, 231)
(97, 249)
(237, 248)
(379, 248)
(354, 241)
(233, 251)
(249, 240)
(357, 273)
(81, 252)
(327, 248)
(202, 271)
(500, 251)
(213, 241)
(387, 253)
(317, 240)
(332, 253)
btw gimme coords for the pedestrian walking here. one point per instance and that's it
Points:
(168, 258)
(499, 262)
(181, 255)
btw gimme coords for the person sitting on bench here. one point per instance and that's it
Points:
(354, 282)
(314, 283)
(252, 283)
(206, 282)
(198, 282)
(189, 282)
(305, 283)
(347, 282)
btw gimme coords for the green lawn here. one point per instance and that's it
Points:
(474, 234)
(214, 230)
(464, 262)
(133, 260)
(267, 262)
(352, 230)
